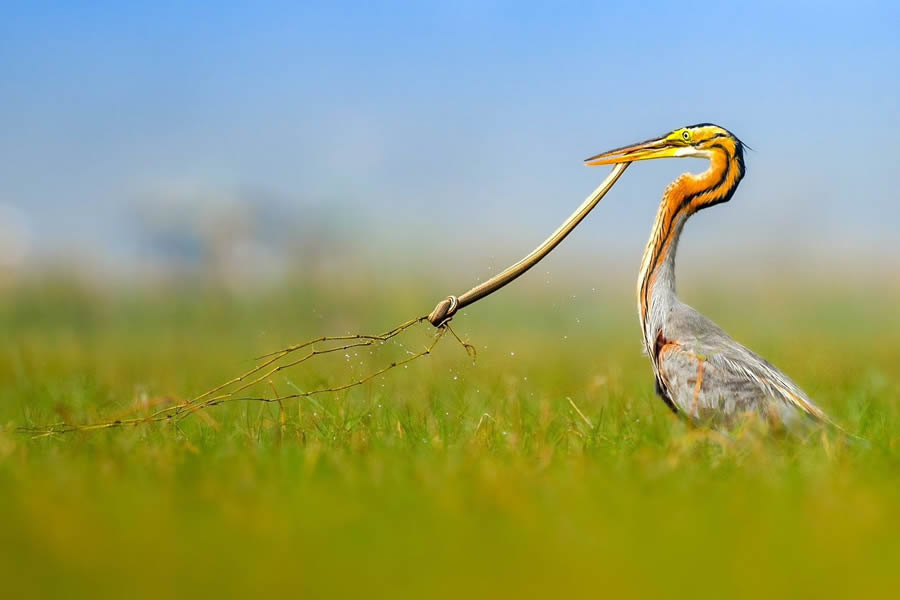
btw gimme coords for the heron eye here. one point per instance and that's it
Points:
(686, 135)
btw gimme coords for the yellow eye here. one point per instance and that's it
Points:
(686, 135)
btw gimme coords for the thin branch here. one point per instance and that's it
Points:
(259, 374)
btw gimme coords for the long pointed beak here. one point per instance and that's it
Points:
(658, 148)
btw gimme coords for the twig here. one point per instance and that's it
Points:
(580, 414)
(439, 317)
(220, 395)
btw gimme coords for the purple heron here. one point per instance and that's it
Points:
(701, 373)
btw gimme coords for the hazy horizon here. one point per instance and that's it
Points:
(161, 131)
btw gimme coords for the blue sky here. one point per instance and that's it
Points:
(461, 117)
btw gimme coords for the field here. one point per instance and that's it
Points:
(545, 468)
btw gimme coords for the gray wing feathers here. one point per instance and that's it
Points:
(733, 378)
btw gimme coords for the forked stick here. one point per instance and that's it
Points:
(440, 317)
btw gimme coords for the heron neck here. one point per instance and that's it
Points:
(656, 283)
(682, 198)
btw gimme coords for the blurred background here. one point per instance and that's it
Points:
(184, 186)
(255, 144)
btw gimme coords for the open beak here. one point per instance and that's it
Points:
(659, 148)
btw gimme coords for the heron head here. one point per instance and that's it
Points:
(699, 141)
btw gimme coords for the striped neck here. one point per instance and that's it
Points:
(682, 198)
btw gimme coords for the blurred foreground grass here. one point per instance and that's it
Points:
(447, 478)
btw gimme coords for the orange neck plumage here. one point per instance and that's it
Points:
(682, 198)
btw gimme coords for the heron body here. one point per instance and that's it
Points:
(701, 373)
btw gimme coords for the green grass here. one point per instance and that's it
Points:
(446, 478)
